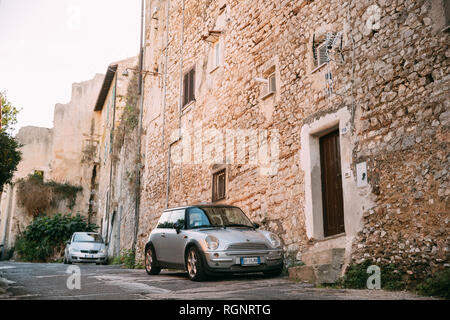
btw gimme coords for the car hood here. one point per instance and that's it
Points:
(87, 245)
(237, 235)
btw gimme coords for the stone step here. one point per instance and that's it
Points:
(334, 256)
(315, 274)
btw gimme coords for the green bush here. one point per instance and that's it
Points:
(438, 285)
(45, 237)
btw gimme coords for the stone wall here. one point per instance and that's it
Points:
(389, 100)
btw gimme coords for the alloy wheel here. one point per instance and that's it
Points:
(192, 263)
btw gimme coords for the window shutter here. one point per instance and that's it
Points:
(322, 54)
(186, 89)
(192, 85)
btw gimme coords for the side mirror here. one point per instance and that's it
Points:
(178, 227)
(68, 242)
(256, 225)
(106, 243)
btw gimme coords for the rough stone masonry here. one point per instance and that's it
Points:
(375, 71)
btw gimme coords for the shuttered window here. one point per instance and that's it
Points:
(189, 87)
(219, 185)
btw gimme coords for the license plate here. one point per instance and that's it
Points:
(252, 261)
(89, 256)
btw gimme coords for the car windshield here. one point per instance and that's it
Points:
(87, 237)
(218, 217)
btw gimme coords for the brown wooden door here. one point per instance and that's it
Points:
(333, 205)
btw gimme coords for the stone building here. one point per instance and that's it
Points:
(58, 154)
(113, 193)
(325, 121)
(78, 150)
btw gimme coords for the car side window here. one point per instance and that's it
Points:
(177, 218)
(197, 218)
(164, 222)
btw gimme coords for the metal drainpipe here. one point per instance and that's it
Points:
(141, 109)
(181, 105)
(166, 61)
(111, 142)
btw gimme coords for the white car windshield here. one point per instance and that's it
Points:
(87, 237)
(218, 217)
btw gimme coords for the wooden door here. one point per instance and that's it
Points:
(333, 204)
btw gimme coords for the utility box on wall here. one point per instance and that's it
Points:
(361, 174)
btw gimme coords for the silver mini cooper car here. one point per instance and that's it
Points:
(211, 239)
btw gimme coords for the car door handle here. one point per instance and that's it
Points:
(163, 235)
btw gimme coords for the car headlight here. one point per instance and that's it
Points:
(73, 250)
(274, 240)
(212, 242)
(102, 251)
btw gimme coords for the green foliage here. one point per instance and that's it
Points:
(37, 196)
(9, 114)
(45, 237)
(127, 258)
(10, 156)
(438, 285)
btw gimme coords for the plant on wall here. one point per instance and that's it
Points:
(37, 196)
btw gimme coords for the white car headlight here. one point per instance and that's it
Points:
(274, 240)
(74, 250)
(102, 251)
(212, 242)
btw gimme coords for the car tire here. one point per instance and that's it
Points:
(151, 266)
(194, 265)
(273, 273)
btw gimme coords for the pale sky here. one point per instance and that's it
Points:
(46, 45)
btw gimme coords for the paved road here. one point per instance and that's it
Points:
(49, 281)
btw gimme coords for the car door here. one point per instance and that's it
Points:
(159, 234)
(176, 241)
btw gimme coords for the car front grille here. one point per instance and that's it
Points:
(245, 246)
(89, 251)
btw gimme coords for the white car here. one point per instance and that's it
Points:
(86, 247)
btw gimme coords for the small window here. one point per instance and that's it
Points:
(189, 87)
(219, 184)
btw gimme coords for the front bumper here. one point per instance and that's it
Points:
(88, 258)
(231, 261)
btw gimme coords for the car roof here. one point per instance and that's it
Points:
(200, 206)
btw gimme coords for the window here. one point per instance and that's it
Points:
(176, 218)
(197, 218)
(189, 87)
(219, 184)
(164, 222)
